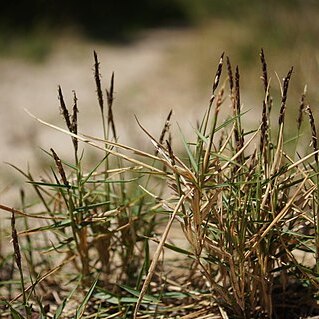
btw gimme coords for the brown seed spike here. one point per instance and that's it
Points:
(219, 101)
(110, 92)
(110, 98)
(284, 97)
(74, 114)
(75, 120)
(264, 70)
(230, 75)
(166, 126)
(15, 242)
(301, 108)
(217, 76)
(165, 129)
(64, 110)
(313, 132)
(58, 163)
(98, 82)
(170, 152)
(237, 90)
(264, 128)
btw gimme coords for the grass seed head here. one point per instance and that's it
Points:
(237, 91)
(110, 99)
(64, 109)
(313, 131)
(165, 130)
(217, 76)
(284, 97)
(301, 108)
(97, 78)
(264, 76)
(15, 241)
(58, 163)
(230, 75)
(74, 124)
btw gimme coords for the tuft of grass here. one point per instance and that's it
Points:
(94, 240)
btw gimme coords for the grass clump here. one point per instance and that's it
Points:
(247, 208)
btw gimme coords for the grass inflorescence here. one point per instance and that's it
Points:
(94, 241)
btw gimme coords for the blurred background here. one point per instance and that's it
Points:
(164, 54)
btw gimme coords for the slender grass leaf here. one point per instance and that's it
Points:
(83, 208)
(124, 181)
(94, 169)
(52, 185)
(57, 225)
(61, 307)
(108, 297)
(136, 293)
(178, 249)
(81, 308)
(14, 313)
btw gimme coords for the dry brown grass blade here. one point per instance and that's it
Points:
(305, 158)
(165, 160)
(278, 155)
(280, 215)
(303, 172)
(87, 141)
(275, 166)
(223, 313)
(241, 150)
(121, 146)
(43, 277)
(158, 146)
(200, 314)
(18, 212)
(224, 143)
(169, 157)
(156, 256)
(165, 129)
(276, 163)
(219, 102)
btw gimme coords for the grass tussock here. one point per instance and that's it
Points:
(247, 205)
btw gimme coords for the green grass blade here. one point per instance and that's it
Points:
(146, 298)
(189, 151)
(81, 308)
